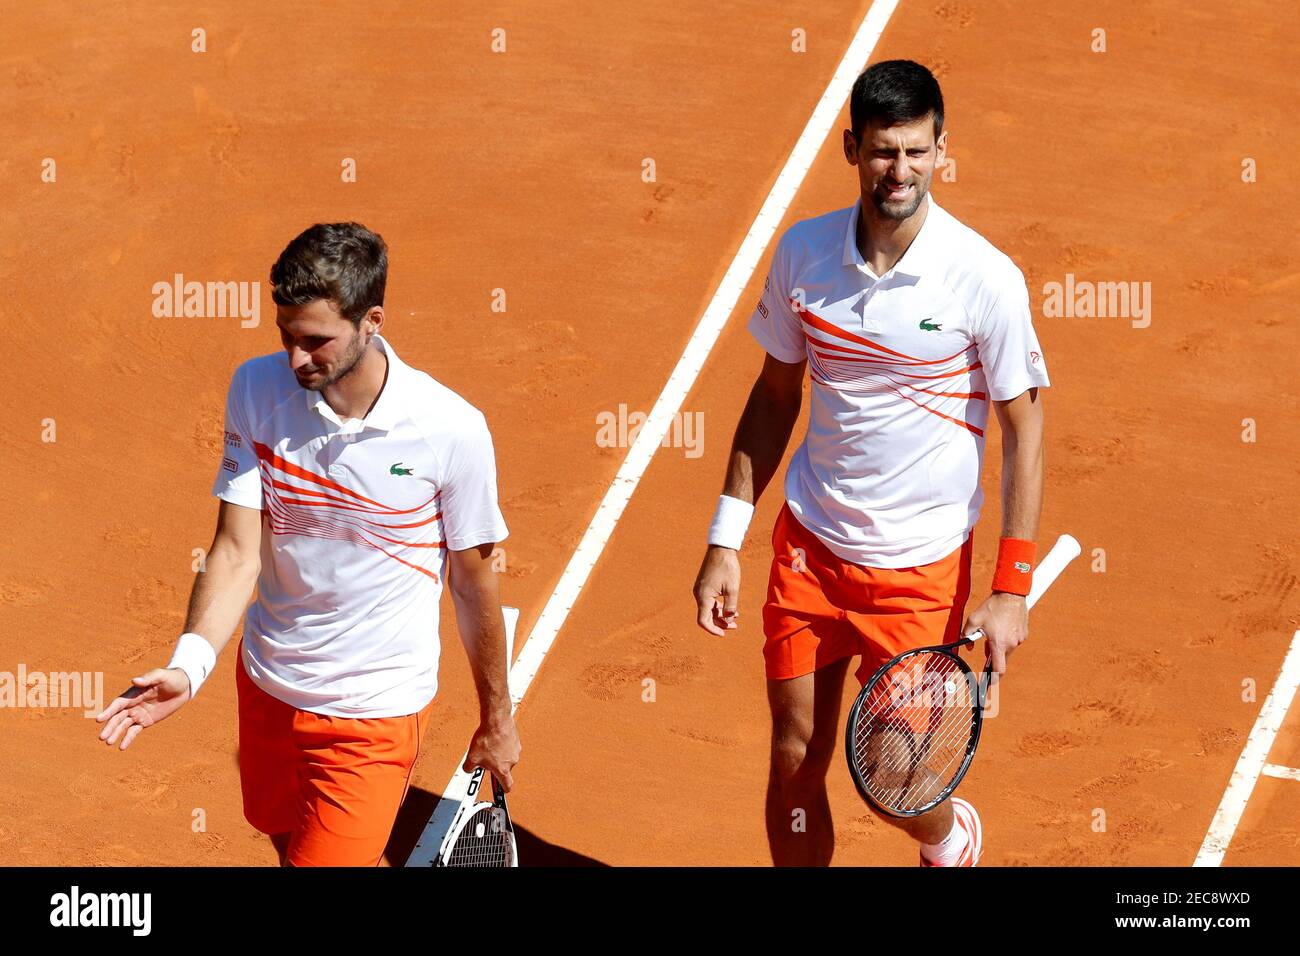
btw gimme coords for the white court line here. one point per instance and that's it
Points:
(1253, 760)
(674, 393)
(1282, 773)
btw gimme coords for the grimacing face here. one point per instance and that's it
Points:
(896, 163)
(323, 346)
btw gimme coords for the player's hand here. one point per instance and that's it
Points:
(717, 590)
(1004, 618)
(495, 747)
(154, 697)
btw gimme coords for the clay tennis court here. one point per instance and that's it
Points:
(519, 176)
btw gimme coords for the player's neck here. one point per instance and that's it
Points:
(355, 394)
(881, 240)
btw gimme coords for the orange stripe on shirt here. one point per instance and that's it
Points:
(817, 322)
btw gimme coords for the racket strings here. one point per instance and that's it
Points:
(914, 731)
(484, 840)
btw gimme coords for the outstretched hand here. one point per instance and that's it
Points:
(153, 697)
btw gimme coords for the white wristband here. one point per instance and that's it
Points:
(195, 656)
(730, 522)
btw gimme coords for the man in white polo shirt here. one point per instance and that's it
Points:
(350, 483)
(909, 325)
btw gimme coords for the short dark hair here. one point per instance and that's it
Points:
(342, 261)
(893, 92)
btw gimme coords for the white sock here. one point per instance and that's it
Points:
(948, 850)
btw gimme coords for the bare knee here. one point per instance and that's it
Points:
(799, 759)
(805, 720)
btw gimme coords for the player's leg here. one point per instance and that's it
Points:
(894, 758)
(354, 774)
(905, 608)
(928, 828)
(267, 761)
(805, 738)
(950, 832)
(963, 841)
(806, 655)
(891, 762)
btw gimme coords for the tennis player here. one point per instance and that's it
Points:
(350, 485)
(909, 325)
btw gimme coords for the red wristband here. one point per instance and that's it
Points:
(1015, 568)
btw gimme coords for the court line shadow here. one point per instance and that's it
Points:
(418, 807)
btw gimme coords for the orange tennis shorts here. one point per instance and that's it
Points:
(333, 783)
(821, 608)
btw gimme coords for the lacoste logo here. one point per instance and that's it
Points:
(928, 326)
(397, 469)
(1022, 567)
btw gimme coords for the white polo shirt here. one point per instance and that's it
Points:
(902, 369)
(357, 517)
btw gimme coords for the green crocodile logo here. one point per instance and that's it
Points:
(928, 326)
(397, 469)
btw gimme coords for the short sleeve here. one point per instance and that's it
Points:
(1007, 344)
(239, 480)
(470, 514)
(774, 323)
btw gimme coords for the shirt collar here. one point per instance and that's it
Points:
(389, 410)
(919, 255)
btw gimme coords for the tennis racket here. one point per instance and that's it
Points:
(481, 833)
(913, 729)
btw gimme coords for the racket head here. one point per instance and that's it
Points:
(912, 730)
(481, 835)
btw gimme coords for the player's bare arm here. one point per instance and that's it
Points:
(221, 591)
(1003, 615)
(756, 452)
(477, 598)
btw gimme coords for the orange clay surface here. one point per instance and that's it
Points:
(522, 171)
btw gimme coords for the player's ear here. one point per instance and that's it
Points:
(941, 148)
(850, 148)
